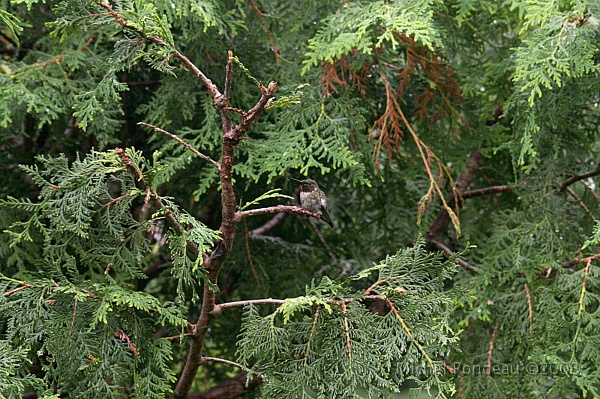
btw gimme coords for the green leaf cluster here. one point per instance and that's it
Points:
(331, 340)
(74, 311)
(364, 27)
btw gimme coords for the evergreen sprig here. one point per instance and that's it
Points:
(330, 341)
(314, 137)
(363, 27)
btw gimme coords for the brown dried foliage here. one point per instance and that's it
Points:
(438, 99)
(347, 75)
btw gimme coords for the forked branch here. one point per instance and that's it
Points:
(232, 135)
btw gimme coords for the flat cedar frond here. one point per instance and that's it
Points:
(330, 339)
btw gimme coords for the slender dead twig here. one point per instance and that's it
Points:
(160, 41)
(152, 196)
(186, 145)
(581, 260)
(224, 361)
(529, 306)
(73, 318)
(9, 293)
(439, 226)
(347, 331)
(249, 255)
(261, 15)
(312, 331)
(578, 199)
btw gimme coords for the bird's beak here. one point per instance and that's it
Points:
(299, 181)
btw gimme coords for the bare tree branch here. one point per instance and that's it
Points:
(268, 301)
(229, 220)
(449, 253)
(180, 141)
(152, 196)
(486, 191)
(207, 82)
(224, 361)
(581, 260)
(160, 41)
(577, 178)
(270, 225)
(231, 138)
(275, 209)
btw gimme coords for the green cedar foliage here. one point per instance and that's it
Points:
(381, 102)
(79, 311)
(331, 340)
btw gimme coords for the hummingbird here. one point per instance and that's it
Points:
(313, 199)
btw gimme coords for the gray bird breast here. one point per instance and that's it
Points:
(312, 201)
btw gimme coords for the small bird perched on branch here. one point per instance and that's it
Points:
(313, 199)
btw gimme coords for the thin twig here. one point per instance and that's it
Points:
(486, 191)
(581, 203)
(9, 293)
(186, 145)
(174, 337)
(270, 225)
(312, 331)
(249, 255)
(266, 301)
(160, 41)
(592, 192)
(228, 75)
(491, 350)
(224, 361)
(347, 330)
(275, 209)
(529, 306)
(323, 241)
(449, 253)
(581, 260)
(410, 335)
(73, 318)
(264, 24)
(222, 104)
(207, 82)
(128, 164)
(586, 272)
(377, 283)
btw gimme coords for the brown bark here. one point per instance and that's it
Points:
(439, 226)
(231, 138)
